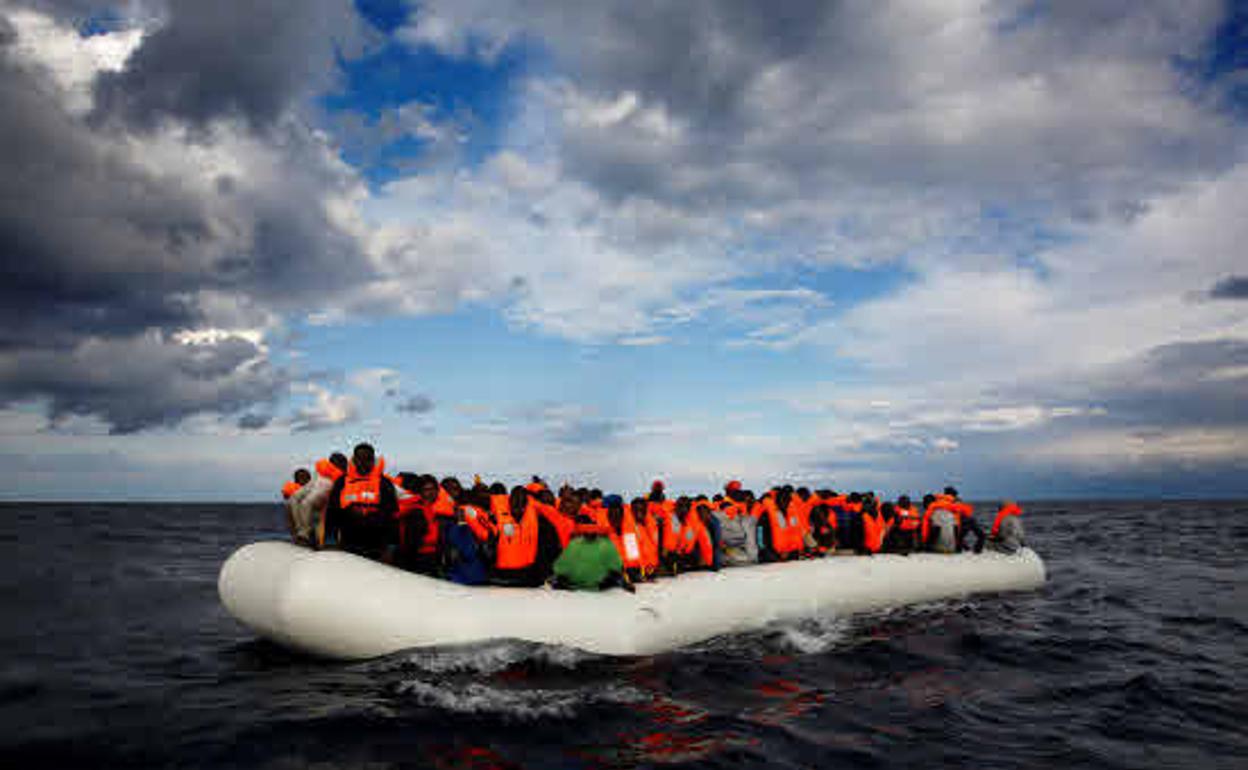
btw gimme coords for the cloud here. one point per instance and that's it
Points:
(254, 421)
(230, 59)
(1231, 287)
(144, 381)
(417, 404)
(129, 238)
(327, 411)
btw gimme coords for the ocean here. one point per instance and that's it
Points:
(115, 652)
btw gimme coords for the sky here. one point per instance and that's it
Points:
(859, 244)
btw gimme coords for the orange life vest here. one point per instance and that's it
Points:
(669, 527)
(479, 522)
(517, 540)
(563, 524)
(1006, 510)
(908, 519)
(785, 538)
(637, 550)
(289, 488)
(874, 529)
(800, 509)
(327, 469)
(944, 503)
(695, 540)
(362, 492)
(409, 503)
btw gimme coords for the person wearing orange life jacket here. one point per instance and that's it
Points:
(562, 524)
(648, 532)
(778, 537)
(300, 478)
(967, 523)
(306, 507)
(467, 547)
(1006, 535)
(905, 534)
(518, 530)
(800, 504)
(697, 542)
(876, 523)
(939, 529)
(591, 562)
(411, 522)
(630, 539)
(363, 507)
(823, 523)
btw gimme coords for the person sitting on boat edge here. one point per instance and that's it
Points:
(1006, 535)
(590, 562)
(307, 505)
(467, 540)
(299, 479)
(363, 506)
(966, 521)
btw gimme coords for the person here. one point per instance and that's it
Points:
(874, 527)
(298, 481)
(823, 526)
(307, 505)
(1006, 535)
(412, 524)
(939, 530)
(695, 548)
(906, 530)
(737, 543)
(467, 541)
(966, 520)
(590, 562)
(776, 530)
(363, 507)
(629, 538)
(516, 549)
(300, 477)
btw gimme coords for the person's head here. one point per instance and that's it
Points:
(615, 510)
(733, 489)
(784, 495)
(453, 487)
(569, 502)
(903, 501)
(408, 481)
(803, 492)
(519, 500)
(682, 507)
(855, 497)
(363, 457)
(952, 492)
(888, 511)
(498, 488)
(928, 500)
(638, 506)
(428, 487)
(595, 494)
(338, 460)
(545, 496)
(302, 476)
(656, 491)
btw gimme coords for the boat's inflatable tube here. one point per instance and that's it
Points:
(338, 605)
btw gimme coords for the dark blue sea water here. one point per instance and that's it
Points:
(115, 651)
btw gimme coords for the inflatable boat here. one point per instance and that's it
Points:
(338, 605)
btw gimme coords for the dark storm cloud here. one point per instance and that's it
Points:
(417, 404)
(230, 58)
(148, 381)
(1231, 287)
(109, 255)
(254, 421)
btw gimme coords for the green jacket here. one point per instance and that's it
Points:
(587, 562)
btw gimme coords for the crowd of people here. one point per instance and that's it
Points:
(581, 539)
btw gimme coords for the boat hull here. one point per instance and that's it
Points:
(338, 605)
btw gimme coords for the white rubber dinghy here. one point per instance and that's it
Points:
(338, 605)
